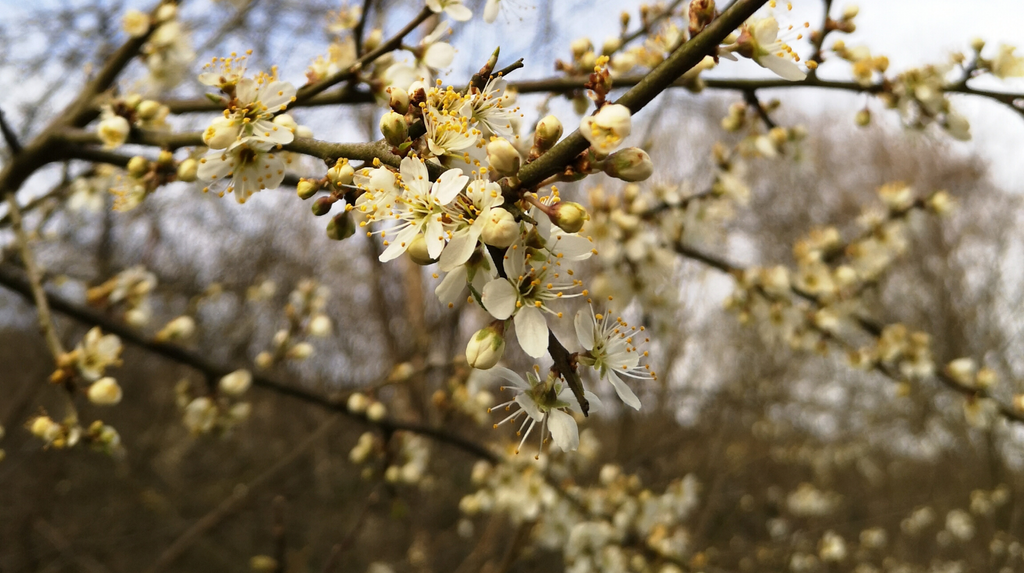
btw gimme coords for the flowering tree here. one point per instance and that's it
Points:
(456, 285)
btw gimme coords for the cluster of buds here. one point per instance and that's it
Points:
(965, 372)
(362, 405)
(919, 95)
(865, 65)
(306, 318)
(219, 411)
(119, 116)
(87, 364)
(338, 184)
(68, 434)
(128, 292)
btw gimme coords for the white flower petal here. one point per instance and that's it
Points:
(458, 12)
(491, 11)
(584, 323)
(786, 69)
(452, 285)
(624, 392)
(499, 298)
(532, 331)
(459, 249)
(563, 430)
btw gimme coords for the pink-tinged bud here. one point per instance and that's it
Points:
(105, 392)
(631, 164)
(236, 383)
(486, 347)
(188, 170)
(322, 206)
(549, 130)
(341, 173)
(418, 251)
(398, 99)
(341, 226)
(702, 12)
(138, 166)
(307, 188)
(395, 128)
(500, 230)
(569, 216)
(503, 157)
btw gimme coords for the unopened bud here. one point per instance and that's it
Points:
(611, 45)
(357, 403)
(166, 11)
(322, 206)
(962, 371)
(286, 121)
(264, 360)
(503, 157)
(863, 118)
(373, 39)
(569, 216)
(579, 47)
(986, 378)
(149, 109)
(138, 166)
(180, 328)
(376, 411)
(300, 351)
(105, 392)
(486, 347)
(44, 428)
(850, 12)
(702, 12)
(188, 170)
(307, 188)
(977, 44)
(941, 203)
(236, 383)
(501, 229)
(398, 99)
(341, 226)
(165, 158)
(395, 128)
(630, 164)
(341, 173)
(549, 130)
(113, 131)
(320, 325)
(418, 252)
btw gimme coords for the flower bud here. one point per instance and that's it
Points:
(44, 428)
(341, 173)
(863, 118)
(180, 328)
(200, 415)
(398, 99)
(503, 157)
(113, 131)
(486, 347)
(105, 392)
(962, 371)
(264, 360)
(630, 164)
(165, 158)
(307, 188)
(501, 229)
(166, 11)
(188, 170)
(320, 325)
(850, 12)
(395, 128)
(977, 44)
(606, 129)
(941, 203)
(322, 206)
(569, 216)
(138, 166)
(417, 250)
(221, 133)
(236, 383)
(373, 39)
(986, 378)
(341, 226)
(357, 403)
(702, 12)
(376, 411)
(286, 121)
(549, 130)
(300, 351)
(611, 45)
(579, 47)
(135, 23)
(149, 109)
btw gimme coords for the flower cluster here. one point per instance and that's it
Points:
(305, 312)
(218, 411)
(128, 292)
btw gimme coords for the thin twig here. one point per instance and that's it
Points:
(9, 136)
(239, 496)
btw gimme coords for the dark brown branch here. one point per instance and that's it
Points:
(10, 138)
(751, 98)
(13, 279)
(565, 364)
(659, 79)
